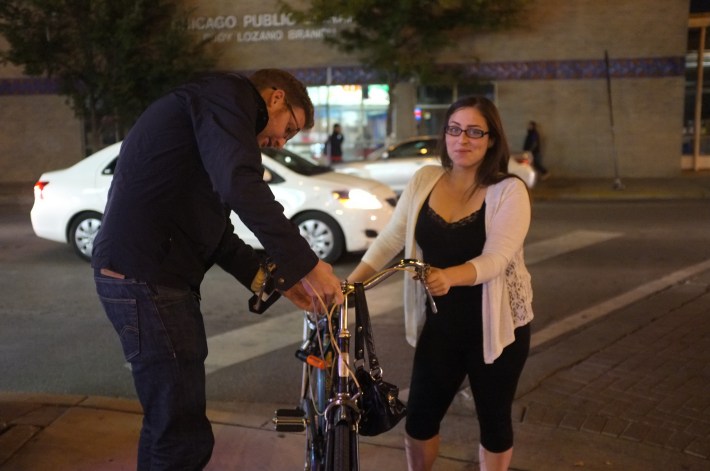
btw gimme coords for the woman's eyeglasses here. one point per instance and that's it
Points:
(473, 133)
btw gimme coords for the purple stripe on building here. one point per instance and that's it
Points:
(644, 67)
(532, 70)
(29, 86)
(579, 69)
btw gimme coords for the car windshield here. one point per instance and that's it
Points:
(418, 148)
(297, 163)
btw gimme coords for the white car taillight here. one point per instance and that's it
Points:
(524, 158)
(39, 189)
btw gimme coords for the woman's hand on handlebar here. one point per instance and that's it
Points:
(438, 281)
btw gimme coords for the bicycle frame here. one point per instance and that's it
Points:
(329, 412)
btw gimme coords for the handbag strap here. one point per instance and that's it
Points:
(363, 331)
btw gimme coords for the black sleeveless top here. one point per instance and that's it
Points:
(445, 244)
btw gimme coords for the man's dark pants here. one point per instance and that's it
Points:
(163, 337)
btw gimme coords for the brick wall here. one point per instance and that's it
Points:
(38, 131)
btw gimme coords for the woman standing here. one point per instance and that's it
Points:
(468, 219)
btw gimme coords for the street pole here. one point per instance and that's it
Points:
(617, 180)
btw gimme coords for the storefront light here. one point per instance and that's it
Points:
(349, 95)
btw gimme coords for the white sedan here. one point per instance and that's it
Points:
(396, 164)
(336, 213)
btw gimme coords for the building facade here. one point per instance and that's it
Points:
(604, 79)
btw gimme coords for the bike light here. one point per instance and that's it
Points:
(39, 189)
(357, 199)
(316, 362)
(312, 360)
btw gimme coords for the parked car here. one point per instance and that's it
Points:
(395, 165)
(336, 213)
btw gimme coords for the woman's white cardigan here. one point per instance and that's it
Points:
(507, 292)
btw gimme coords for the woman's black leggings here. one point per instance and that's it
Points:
(440, 367)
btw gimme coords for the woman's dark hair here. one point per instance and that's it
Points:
(296, 92)
(494, 167)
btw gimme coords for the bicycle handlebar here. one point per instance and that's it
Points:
(420, 268)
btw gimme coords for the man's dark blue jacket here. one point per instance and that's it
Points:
(190, 158)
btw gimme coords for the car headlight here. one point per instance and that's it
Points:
(357, 199)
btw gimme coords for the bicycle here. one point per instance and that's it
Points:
(329, 410)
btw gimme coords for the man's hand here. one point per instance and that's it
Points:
(298, 295)
(323, 286)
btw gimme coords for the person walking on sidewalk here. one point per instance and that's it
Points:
(532, 144)
(192, 157)
(468, 219)
(334, 146)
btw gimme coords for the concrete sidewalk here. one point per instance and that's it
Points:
(686, 185)
(631, 392)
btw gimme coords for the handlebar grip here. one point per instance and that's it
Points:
(432, 304)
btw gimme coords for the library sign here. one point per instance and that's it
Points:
(261, 27)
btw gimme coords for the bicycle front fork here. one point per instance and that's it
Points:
(342, 447)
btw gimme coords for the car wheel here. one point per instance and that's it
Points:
(322, 233)
(82, 232)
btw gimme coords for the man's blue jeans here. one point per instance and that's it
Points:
(163, 337)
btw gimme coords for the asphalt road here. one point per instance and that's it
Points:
(584, 257)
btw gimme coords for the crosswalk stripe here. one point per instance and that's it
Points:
(546, 249)
(610, 305)
(238, 345)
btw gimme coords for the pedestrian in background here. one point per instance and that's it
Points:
(334, 146)
(468, 219)
(532, 144)
(191, 158)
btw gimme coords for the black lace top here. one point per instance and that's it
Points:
(445, 244)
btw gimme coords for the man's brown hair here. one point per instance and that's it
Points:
(296, 93)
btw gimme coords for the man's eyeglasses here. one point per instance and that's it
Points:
(473, 133)
(290, 133)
